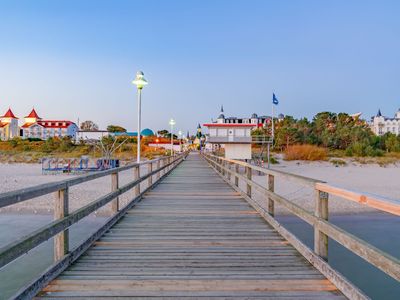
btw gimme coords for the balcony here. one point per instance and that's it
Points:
(229, 139)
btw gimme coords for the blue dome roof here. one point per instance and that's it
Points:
(147, 132)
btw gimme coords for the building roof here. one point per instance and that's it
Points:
(33, 114)
(379, 114)
(50, 124)
(230, 125)
(9, 114)
(147, 132)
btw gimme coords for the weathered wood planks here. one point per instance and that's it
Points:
(192, 236)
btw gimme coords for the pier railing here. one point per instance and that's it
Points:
(233, 170)
(63, 218)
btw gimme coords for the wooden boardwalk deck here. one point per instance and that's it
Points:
(192, 236)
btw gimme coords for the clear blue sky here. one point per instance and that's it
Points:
(76, 59)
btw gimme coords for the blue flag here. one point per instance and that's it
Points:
(274, 99)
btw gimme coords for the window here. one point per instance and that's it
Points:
(213, 132)
(222, 132)
(240, 132)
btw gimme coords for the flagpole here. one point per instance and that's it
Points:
(273, 128)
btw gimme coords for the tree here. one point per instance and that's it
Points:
(89, 126)
(392, 142)
(163, 133)
(115, 128)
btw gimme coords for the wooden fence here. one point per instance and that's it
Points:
(63, 219)
(319, 219)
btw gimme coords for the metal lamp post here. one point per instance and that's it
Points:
(140, 82)
(172, 123)
(180, 140)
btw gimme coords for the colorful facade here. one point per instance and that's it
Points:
(35, 127)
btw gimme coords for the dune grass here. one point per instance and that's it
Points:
(305, 152)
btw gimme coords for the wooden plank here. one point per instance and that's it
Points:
(14, 250)
(194, 246)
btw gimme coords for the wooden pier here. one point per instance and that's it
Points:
(192, 236)
(196, 231)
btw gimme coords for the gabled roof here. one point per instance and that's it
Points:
(9, 114)
(33, 114)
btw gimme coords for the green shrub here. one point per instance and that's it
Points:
(34, 139)
(27, 148)
(349, 151)
(358, 149)
(15, 142)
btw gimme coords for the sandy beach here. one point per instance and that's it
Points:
(370, 178)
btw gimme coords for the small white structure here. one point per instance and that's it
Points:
(234, 134)
(381, 124)
(91, 135)
(234, 137)
(167, 146)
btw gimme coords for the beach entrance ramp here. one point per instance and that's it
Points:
(192, 236)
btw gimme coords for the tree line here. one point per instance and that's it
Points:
(334, 132)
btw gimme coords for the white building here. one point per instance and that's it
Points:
(381, 124)
(8, 126)
(36, 127)
(234, 134)
(260, 121)
(91, 135)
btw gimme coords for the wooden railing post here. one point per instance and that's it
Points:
(158, 169)
(136, 176)
(229, 165)
(150, 169)
(114, 187)
(61, 240)
(236, 177)
(271, 188)
(321, 211)
(223, 165)
(249, 176)
(162, 172)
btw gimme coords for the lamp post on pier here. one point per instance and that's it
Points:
(180, 140)
(140, 82)
(172, 123)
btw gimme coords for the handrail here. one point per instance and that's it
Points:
(319, 219)
(305, 180)
(378, 202)
(59, 227)
(16, 196)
